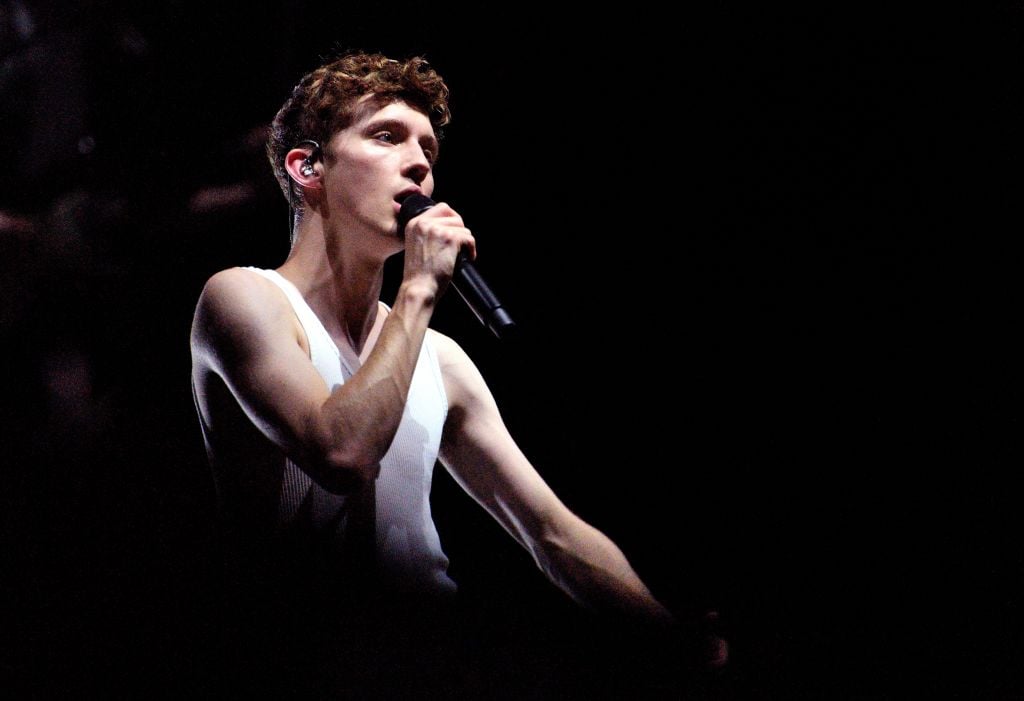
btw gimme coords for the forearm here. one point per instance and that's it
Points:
(359, 419)
(590, 568)
(594, 572)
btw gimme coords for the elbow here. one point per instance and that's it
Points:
(342, 472)
(548, 537)
(339, 466)
(562, 570)
(554, 558)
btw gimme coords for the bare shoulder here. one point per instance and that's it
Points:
(235, 309)
(236, 286)
(463, 382)
(448, 350)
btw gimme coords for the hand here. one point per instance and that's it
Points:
(433, 241)
(698, 644)
(712, 649)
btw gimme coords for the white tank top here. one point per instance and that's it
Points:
(408, 550)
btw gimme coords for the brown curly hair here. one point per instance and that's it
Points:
(322, 103)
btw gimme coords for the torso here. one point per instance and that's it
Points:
(265, 498)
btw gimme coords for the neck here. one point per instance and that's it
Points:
(340, 282)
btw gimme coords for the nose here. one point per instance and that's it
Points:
(417, 167)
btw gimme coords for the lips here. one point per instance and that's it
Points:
(400, 197)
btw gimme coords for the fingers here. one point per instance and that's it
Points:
(441, 227)
(433, 241)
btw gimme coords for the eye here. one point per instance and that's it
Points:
(385, 136)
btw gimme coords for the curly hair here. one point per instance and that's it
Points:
(323, 101)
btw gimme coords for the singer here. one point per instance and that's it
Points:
(324, 410)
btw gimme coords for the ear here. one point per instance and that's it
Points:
(301, 170)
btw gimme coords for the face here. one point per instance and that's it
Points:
(388, 151)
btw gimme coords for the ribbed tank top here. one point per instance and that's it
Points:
(407, 547)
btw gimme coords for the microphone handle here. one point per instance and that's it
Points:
(479, 298)
(465, 278)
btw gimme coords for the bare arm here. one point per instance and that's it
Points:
(485, 460)
(245, 333)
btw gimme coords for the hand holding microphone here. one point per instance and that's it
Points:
(465, 279)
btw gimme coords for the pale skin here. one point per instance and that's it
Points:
(247, 340)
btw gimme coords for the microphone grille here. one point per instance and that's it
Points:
(412, 206)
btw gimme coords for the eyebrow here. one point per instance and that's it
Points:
(396, 124)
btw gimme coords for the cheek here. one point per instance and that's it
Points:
(354, 177)
(367, 170)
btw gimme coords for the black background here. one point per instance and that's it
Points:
(765, 265)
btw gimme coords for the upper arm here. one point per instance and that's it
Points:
(245, 333)
(485, 460)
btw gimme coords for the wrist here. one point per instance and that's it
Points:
(416, 293)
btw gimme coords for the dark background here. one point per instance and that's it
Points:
(764, 262)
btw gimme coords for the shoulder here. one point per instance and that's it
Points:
(465, 386)
(236, 285)
(236, 306)
(235, 295)
(449, 352)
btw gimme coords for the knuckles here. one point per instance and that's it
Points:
(445, 229)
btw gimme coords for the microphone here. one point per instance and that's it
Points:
(466, 280)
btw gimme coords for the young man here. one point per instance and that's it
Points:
(324, 410)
